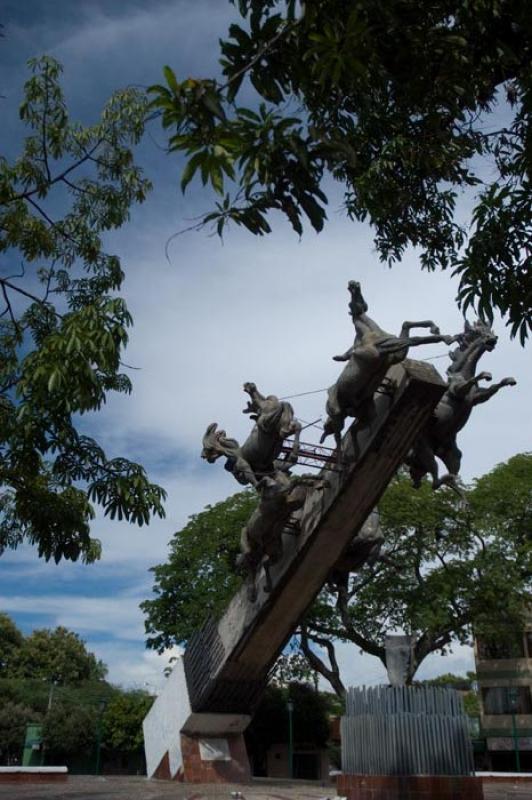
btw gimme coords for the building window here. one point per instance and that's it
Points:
(493, 650)
(528, 637)
(507, 700)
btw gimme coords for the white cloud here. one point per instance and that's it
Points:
(131, 667)
(117, 613)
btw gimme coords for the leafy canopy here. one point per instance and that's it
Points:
(444, 568)
(270, 723)
(200, 576)
(53, 655)
(122, 721)
(400, 104)
(63, 325)
(13, 720)
(69, 730)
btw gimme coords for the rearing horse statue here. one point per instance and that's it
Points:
(454, 409)
(374, 351)
(258, 457)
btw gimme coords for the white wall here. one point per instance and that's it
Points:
(164, 721)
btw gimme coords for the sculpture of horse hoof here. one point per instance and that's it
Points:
(452, 481)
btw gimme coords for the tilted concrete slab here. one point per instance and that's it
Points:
(227, 663)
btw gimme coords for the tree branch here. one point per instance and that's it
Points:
(86, 157)
(5, 283)
(342, 604)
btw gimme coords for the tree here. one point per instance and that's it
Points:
(13, 720)
(10, 643)
(58, 656)
(200, 576)
(54, 655)
(63, 326)
(465, 685)
(400, 105)
(270, 721)
(122, 721)
(69, 730)
(445, 566)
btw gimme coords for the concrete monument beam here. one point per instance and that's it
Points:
(227, 663)
(194, 729)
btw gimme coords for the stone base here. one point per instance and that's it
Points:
(33, 774)
(171, 722)
(409, 787)
(214, 760)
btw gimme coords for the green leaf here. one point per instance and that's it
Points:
(171, 79)
(191, 168)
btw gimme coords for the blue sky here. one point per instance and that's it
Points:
(271, 310)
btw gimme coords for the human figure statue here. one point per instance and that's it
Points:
(374, 351)
(438, 438)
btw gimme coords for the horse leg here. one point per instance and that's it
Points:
(294, 453)
(425, 323)
(415, 341)
(242, 471)
(452, 458)
(483, 395)
(421, 460)
(333, 425)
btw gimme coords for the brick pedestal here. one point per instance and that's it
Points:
(197, 769)
(409, 787)
(33, 774)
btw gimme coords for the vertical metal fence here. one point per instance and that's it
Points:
(405, 731)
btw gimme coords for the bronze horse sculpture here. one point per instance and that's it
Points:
(257, 462)
(258, 457)
(374, 351)
(438, 439)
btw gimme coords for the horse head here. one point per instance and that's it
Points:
(476, 339)
(216, 443)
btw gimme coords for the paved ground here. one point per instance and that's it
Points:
(132, 788)
(81, 787)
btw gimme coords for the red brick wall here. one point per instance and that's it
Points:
(197, 771)
(409, 787)
(33, 777)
